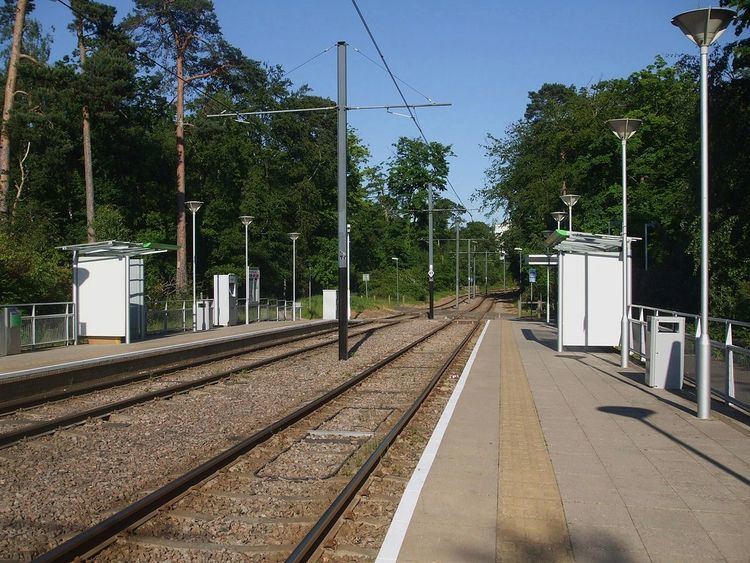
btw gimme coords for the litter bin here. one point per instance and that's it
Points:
(204, 316)
(10, 331)
(666, 356)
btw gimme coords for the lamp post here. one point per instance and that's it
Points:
(398, 295)
(502, 257)
(623, 130)
(558, 216)
(294, 237)
(246, 220)
(570, 200)
(703, 27)
(194, 206)
(520, 262)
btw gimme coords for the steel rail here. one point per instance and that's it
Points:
(44, 427)
(310, 543)
(98, 536)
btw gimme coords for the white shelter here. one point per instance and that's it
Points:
(589, 299)
(109, 289)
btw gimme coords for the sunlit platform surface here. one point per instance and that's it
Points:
(561, 457)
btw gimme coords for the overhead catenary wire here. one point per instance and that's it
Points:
(404, 82)
(400, 92)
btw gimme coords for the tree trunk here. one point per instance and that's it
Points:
(88, 173)
(181, 278)
(10, 89)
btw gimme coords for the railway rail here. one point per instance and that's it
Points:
(26, 427)
(307, 450)
(37, 417)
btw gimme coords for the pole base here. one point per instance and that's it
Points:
(431, 312)
(343, 314)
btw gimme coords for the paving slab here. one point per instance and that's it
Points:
(640, 476)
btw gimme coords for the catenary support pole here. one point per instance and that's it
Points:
(431, 270)
(468, 267)
(341, 148)
(294, 279)
(485, 272)
(458, 248)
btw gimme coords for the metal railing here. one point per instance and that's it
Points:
(46, 324)
(172, 316)
(730, 350)
(177, 316)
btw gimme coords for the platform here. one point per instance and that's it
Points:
(543, 456)
(48, 373)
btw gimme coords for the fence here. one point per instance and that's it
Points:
(46, 324)
(178, 316)
(730, 350)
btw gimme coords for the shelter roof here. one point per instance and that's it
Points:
(585, 243)
(118, 249)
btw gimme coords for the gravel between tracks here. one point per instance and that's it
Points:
(56, 485)
(258, 509)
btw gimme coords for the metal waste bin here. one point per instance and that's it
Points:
(666, 356)
(204, 316)
(10, 331)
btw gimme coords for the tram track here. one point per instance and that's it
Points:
(34, 418)
(243, 362)
(269, 437)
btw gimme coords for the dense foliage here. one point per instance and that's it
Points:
(563, 145)
(281, 169)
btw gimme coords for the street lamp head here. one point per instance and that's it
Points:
(294, 236)
(558, 216)
(518, 249)
(704, 26)
(570, 199)
(246, 219)
(394, 258)
(624, 128)
(193, 206)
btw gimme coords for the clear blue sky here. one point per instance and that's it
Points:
(482, 56)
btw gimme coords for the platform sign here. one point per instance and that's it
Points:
(532, 275)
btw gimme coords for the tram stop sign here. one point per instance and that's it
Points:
(532, 275)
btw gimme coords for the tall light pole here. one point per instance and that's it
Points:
(558, 216)
(294, 237)
(502, 257)
(703, 27)
(570, 200)
(520, 263)
(398, 295)
(623, 130)
(194, 206)
(246, 220)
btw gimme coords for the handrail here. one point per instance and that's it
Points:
(639, 326)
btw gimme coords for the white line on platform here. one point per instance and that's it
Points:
(394, 539)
